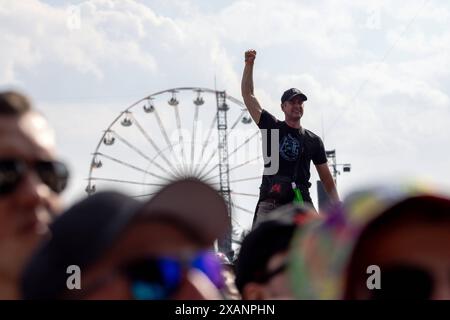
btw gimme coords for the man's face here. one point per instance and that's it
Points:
(293, 109)
(145, 240)
(26, 210)
(413, 249)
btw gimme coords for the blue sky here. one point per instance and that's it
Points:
(377, 73)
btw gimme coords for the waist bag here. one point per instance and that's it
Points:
(280, 187)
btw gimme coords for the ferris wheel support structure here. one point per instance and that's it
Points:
(224, 177)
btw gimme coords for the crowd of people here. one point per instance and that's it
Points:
(390, 242)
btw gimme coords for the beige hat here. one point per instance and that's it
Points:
(194, 205)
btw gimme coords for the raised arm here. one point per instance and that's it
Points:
(252, 104)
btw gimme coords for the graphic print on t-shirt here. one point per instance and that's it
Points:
(289, 148)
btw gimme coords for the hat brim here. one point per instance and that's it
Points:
(301, 95)
(193, 205)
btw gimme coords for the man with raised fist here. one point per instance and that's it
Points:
(296, 148)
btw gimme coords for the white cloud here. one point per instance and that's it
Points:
(382, 93)
(106, 35)
(288, 23)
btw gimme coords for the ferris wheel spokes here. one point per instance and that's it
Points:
(180, 135)
(246, 179)
(194, 130)
(138, 151)
(236, 167)
(175, 172)
(128, 182)
(245, 194)
(236, 122)
(144, 195)
(131, 166)
(164, 133)
(231, 153)
(205, 144)
(241, 208)
(244, 143)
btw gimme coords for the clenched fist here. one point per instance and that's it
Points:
(250, 56)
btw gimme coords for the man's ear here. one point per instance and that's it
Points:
(282, 105)
(253, 291)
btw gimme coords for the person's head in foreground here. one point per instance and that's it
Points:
(161, 250)
(381, 244)
(30, 182)
(263, 257)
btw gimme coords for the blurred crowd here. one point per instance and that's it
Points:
(386, 242)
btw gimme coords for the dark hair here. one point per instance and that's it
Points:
(13, 103)
(258, 247)
(426, 209)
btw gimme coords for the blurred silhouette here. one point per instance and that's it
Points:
(382, 243)
(263, 258)
(30, 182)
(161, 249)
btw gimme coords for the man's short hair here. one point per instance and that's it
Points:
(261, 244)
(13, 103)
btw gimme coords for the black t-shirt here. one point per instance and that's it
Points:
(293, 143)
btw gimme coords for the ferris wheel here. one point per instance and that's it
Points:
(181, 132)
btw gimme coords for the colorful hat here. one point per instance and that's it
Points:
(320, 252)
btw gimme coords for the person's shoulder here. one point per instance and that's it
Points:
(268, 114)
(311, 134)
(312, 138)
(268, 119)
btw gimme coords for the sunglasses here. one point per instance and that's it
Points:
(158, 278)
(53, 173)
(405, 282)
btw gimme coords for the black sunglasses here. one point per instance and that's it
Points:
(405, 282)
(53, 173)
(157, 278)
